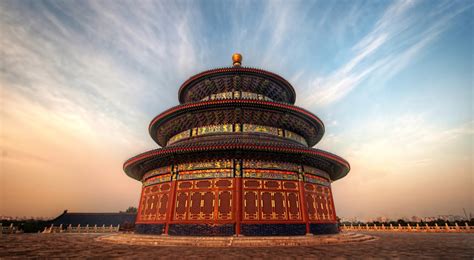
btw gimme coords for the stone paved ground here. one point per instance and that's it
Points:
(390, 245)
(242, 241)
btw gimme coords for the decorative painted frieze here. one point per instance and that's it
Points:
(221, 164)
(314, 171)
(247, 128)
(182, 135)
(295, 137)
(317, 180)
(214, 129)
(158, 171)
(260, 129)
(205, 174)
(157, 179)
(270, 174)
(251, 164)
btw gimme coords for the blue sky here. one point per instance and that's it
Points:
(392, 80)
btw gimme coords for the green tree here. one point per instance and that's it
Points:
(131, 210)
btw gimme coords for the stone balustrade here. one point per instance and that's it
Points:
(9, 229)
(409, 228)
(81, 229)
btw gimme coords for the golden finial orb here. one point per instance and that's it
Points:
(237, 59)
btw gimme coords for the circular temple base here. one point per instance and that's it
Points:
(218, 230)
(236, 241)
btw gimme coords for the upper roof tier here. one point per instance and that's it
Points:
(236, 79)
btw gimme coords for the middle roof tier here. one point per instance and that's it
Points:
(238, 113)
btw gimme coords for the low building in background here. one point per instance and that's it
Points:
(125, 220)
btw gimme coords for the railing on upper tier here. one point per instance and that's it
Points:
(236, 95)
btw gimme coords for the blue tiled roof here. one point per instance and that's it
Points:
(92, 219)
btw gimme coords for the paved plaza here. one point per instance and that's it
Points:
(388, 245)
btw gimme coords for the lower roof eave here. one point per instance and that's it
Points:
(136, 166)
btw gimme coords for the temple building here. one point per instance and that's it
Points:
(236, 159)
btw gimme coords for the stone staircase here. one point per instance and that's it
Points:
(240, 241)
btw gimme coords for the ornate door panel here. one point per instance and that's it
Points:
(279, 201)
(225, 205)
(154, 206)
(270, 200)
(181, 206)
(142, 208)
(208, 200)
(266, 205)
(153, 203)
(319, 205)
(161, 215)
(293, 206)
(319, 202)
(311, 206)
(195, 206)
(207, 207)
(250, 207)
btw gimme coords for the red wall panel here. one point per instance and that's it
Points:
(153, 203)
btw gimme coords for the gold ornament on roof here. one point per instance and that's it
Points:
(237, 59)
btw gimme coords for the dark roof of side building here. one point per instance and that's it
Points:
(92, 219)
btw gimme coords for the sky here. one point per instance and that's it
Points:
(392, 80)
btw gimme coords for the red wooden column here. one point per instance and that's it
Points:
(238, 179)
(303, 198)
(172, 197)
(238, 194)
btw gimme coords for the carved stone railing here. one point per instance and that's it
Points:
(417, 228)
(9, 229)
(81, 229)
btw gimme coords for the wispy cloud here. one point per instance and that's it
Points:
(99, 61)
(397, 38)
